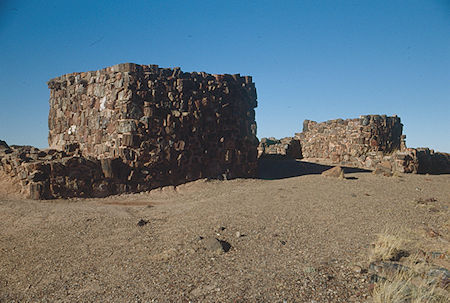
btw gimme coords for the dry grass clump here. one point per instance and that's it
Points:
(411, 281)
(389, 246)
(408, 288)
(391, 291)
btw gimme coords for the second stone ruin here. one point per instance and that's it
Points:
(372, 142)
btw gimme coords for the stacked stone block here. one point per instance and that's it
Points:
(286, 147)
(47, 174)
(372, 141)
(154, 126)
(351, 140)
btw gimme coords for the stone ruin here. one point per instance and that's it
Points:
(286, 147)
(373, 142)
(131, 128)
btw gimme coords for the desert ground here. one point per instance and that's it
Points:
(291, 235)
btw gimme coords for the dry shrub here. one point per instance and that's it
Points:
(389, 246)
(401, 289)
(394, 291)
(405, 286)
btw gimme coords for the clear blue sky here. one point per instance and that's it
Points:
(314, 59)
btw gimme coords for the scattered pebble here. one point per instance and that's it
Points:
(142, 222)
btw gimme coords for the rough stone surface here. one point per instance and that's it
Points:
(353, 141)
(336, 172)
(432, 162)
(46, 174)
(168, 126)
(132, 127)
(3, 145)
(216, 245)
(372, 142)
(289, 147)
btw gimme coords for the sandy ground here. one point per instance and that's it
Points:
(293, 239)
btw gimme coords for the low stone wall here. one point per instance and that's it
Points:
(286, 147)
(432, 162)
(373, 142)
(352, 140)
(48, 174)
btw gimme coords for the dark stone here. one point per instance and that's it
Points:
(71, 148)
(107, 168)
(142, 222)
(3, 145)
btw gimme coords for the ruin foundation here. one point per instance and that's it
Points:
(373, 142)
(132, 127)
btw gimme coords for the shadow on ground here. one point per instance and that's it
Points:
(278, 167)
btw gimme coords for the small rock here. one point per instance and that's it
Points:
(238, 234)
(371, 287)
(142, 222)
(387, 268)
(357, 269)
(439, 272)
(438, 255)
(283, 242)
(374, 278)
(386, 164)
(202, 290)
(432, 233)
(165, 255)
(381, 170)
(3, 145)
(336, 172)
(309, 269)
(216, 245)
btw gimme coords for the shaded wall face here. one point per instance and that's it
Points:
(167, 126)
(353, 139)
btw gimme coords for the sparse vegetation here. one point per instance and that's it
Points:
(389, 246)
(401, 289)
(407, 281)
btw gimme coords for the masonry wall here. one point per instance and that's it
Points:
(353, 141)
(286, 147)
(48, 174)
(133, 127)
(165, 125)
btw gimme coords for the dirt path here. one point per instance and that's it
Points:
(298, 240)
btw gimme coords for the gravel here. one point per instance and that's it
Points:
(306, 240)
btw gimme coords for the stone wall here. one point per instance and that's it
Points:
(432, 162)
(373, 141)
(48, 174)
(365, 142)
(287, 147)
(351, 140)
(168, 126)
(134, 127)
